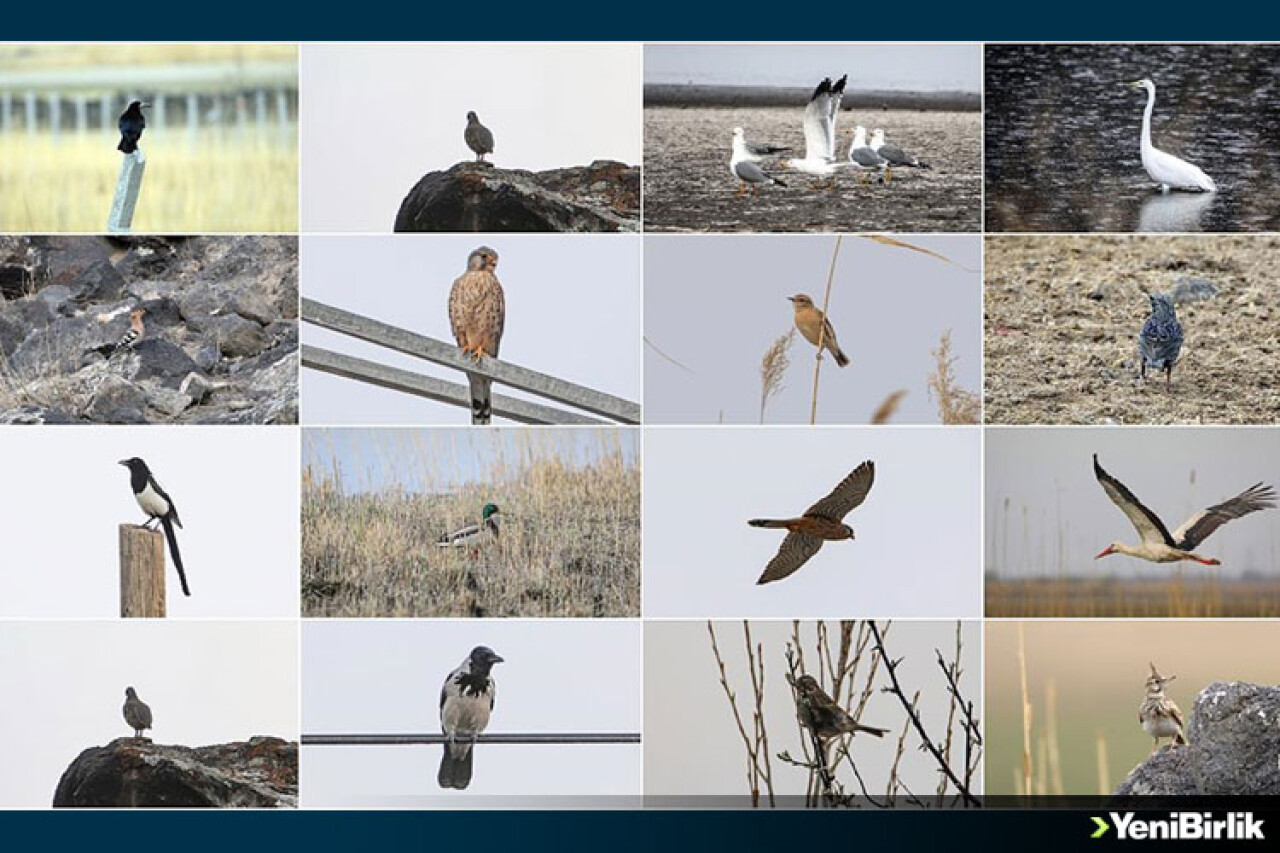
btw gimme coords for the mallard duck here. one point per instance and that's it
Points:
(474, 535)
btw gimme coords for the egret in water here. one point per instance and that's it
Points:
(1165, 169)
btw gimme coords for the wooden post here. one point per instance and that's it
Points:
(141, 573)
(129, 185)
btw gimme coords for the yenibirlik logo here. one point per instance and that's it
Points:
(1182, 826)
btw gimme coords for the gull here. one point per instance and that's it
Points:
(862, 156)
(820, 132)
(755, 152)
(895, 155)
(742, 165)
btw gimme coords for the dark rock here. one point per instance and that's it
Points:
(98, 283)
(117, 401)
(167, 400)
(148, 257)
(207, 355)
(159, 359)
(56, 298)
(1233, 743)
(129, 772)
(252, 305)
(604, 196)
(66, 260)
(19, 319)
(241, 338)
(197, 387)
(200, 308)
(34, 415)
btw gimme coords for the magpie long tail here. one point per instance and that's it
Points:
(177, 557)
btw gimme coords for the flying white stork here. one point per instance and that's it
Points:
(1158, 545)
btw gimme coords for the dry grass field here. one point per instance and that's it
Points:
(569, 544)
(225, 182)
(1174, 598)
(1063, 315)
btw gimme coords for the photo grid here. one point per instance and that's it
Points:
(777, 425)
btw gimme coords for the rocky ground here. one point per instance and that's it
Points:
(687, 185)
(134, 772)
(604, 196)
(1232, 746)
(1063, 315)
(221, 342)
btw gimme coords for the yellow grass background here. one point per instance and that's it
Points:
(225, 182)
(570, 529)
(1084, 683)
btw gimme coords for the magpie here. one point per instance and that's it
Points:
(157, 504)
(136, 712)
(466, 701)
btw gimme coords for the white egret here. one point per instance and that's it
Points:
(1165, 169)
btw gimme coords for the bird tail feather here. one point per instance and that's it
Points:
(177, 557)
(767, 522)
(481, 404)
(455, 770)
(841, 358)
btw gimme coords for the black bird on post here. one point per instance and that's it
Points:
(131, 124)
(157, 504)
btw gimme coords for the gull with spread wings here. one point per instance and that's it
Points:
(822, 522)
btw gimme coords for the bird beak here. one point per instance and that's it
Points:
(791, 299)
(497, 659)
(1136, 84)
(1104, 552)
(124, 462)
(145, 105)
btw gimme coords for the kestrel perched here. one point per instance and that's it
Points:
(809, 321)
(822, 715)
(478, 137)
(477, 313)
(821, 522)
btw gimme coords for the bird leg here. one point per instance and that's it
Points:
(888, 174)
(1168, 379)
(742, 190)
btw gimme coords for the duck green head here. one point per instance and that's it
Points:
(489, 509)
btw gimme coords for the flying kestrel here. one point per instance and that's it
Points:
(478, 137)
(821, 522)
(477, 313)
(809, 321)
(822, 715)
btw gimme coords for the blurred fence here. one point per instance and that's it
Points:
(259, 98)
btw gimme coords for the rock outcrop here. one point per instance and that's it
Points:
(131, 772)
(604, 196)
(1234, 741)
(221, 342)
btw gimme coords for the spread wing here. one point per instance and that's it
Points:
(819, 130)
(795, 551)
(850, 493)
(1146, 522)
(1198, 527)
(837, 93)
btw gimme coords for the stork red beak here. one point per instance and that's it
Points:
(1104, 552)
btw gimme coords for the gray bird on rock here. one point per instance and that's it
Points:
(1160, 340)
(136, 712)
(479, 138)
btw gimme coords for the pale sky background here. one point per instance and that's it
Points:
(206, 682)
(573, 311)
(377, 117)
(909, 67)
(236, 490)
(716, 303)
(692, 745)
(439, 459)
(1058, 516)
(385, 676)
(916, 551)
